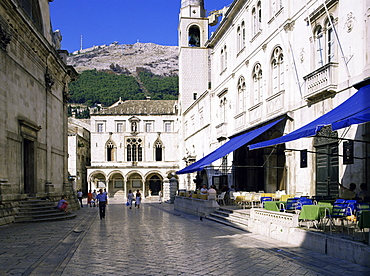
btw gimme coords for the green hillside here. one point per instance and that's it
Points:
(105, 87)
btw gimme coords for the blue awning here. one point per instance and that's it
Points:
(355, 110)
(229, 146)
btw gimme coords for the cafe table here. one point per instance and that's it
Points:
(314, 212)
(273, 205)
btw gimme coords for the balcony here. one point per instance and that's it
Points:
(221, 131)
(321, 83)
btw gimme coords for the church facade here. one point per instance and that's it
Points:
(285, 63)
(34, 94)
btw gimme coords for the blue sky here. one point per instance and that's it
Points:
(126, 21)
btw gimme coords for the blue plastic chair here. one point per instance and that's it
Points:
(265, 198)
(291, 204)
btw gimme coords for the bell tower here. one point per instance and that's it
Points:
(193, 55)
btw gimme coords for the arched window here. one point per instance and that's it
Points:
(158, 146)
(257, 84)
(111, 151)
(259, 11)
(223, 58)
(240, 32)
(319, 36)
(325, 42)
(239, 38)
(243, 34)
(32, 8)
(223, 103)
(330, 41)
(254, 21)
(134, 149)
(194, 36)
(277, 69)
(241, 94)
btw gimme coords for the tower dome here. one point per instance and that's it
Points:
(185, 3)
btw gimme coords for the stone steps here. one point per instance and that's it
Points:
(230, 217)
(37, 210)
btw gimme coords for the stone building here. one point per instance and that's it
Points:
(134, 146)
(78, 152)
(274, 66)
(34, 91)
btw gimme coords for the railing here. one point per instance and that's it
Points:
(221, 130)
(322, 82)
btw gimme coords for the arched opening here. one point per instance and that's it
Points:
(155, 184)
(194, 36)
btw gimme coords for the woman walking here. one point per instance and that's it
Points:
(138, 199)
(130, 198)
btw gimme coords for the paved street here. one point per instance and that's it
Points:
(153, 240)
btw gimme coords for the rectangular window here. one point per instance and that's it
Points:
(167, 126)
(118, 184)
(149, 126)
(120, 126)
(100, 127)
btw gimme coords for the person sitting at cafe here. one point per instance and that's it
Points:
(364, 194)
(212, 193)
(204, 190)
(348, 193)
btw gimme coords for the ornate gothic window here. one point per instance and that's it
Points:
(277, 68)
(134, 149)
(111, 151)
(158, 146)
(241, 94)
(257, 84)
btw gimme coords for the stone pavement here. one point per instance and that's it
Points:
(153, 240)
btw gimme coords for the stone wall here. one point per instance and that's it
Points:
(194, 206)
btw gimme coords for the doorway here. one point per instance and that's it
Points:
(327, 170)
(155, 184)
(28, 166)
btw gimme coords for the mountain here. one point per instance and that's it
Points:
(127, 59)
(128, 72)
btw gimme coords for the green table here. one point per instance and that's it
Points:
(364, 221)
(314, 212)
(324, 203)
(273, 205)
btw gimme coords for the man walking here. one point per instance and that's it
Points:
(79, 196)
(103, 201)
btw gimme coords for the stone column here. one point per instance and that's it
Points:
(173, 189)
(166, 189)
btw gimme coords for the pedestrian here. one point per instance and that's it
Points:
(79, 196)
(130, 197)
(103, 201)
(138, 199)
(63, 204)
(160, 197)
(94, 195)
(89, 198)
